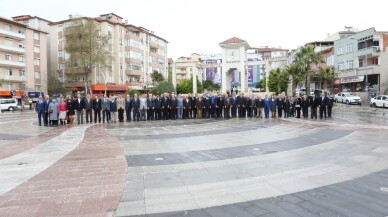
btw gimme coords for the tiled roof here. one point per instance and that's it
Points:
(233, 40)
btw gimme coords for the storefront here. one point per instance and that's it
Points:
(16, 94)
(351, 84)
(111, 89)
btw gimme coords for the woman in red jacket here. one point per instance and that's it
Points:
(62, 111)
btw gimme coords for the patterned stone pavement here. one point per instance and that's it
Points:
(251, 167)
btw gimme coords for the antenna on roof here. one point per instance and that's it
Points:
(349, 28)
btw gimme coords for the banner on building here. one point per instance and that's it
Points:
(212, 74)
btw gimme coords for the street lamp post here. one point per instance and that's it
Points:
(104, 80)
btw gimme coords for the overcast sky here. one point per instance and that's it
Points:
(200, 25)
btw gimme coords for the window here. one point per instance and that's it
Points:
(135, 43)
(36, 62)
(60, 41)
(161, 52)
(36, 35)
(135, 67)
(21, 73)
(8, 27)
(60, 53)
(61, 66)
(37, 75)
(161, 61)
(60, 28)
(349, 64)
(36, 49)
(21, 58)
(21, 31)
(21, 44)
(8, 57)
(8, 72)
(37, 88)
(135, 55)
(330, 60)
(8, 42)
(360, 62)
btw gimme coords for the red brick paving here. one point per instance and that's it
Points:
(87, 182)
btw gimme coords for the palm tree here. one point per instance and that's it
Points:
(327, 75)
(279, 77)
(296, 76)
(305, 58)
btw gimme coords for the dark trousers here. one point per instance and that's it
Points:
(213, 111)
(286, 114)
(234, 111)
(329, 108)
(298, 113)
(150, 111)
(128, 114)
(313, 112)
(227, 112)
(193, 112)
(219, 112)
(305, 112)
(173, 113)
(207, 112)
(266, 112)
(45, 118)
(121, 114)
(136, 114)
(97, 113)
(166, 113)
(158, 114)
(280, 112)
(105, 114)
(40, 117)
(89, 116)
(322, 110)
(80, 116)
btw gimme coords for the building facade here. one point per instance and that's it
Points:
(361, 61)
(23, 59)
(136, 53)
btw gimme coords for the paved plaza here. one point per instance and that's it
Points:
(208, 167)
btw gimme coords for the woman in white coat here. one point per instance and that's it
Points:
(53, 112)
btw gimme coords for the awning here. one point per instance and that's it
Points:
(352, 79)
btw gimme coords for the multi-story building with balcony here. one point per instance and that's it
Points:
(23, 59)
(136, 53)
(361, 61)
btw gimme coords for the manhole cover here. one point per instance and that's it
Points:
(159, 158)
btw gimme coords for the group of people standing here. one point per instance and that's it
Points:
(182, 106)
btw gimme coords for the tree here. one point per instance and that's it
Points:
(326, 74)
(210, 86)
(278, 79)
(54, 86)
(305, 58)
(296, 76)
(186, 86)
(156, 77)
(163, 87)
(87, 47)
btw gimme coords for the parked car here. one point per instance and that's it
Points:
(348, 98)
(9, 104)
(379, 101)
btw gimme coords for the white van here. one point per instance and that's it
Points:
(9, 104)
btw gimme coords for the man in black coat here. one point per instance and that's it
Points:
(206, 104)
(220, 105)
(172, 106)
(158, 106)
(128, 107)
(324, 101)
(165, 106)
(136, 108)
(193, 109)
(314, 103)
(150, 108)
(96, 105)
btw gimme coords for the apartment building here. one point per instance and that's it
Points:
(186, 67)
(136, 53)
(361, 61)
(23, 59)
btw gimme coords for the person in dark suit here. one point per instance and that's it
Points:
(286, 107)
(329, 106)
(233, 104)
(279, 105)
(305, 107)
(226, 106)
(199, 106)
(260, 107)
(314, 103)
(166, 106)
(186, 106)
(96, 105)
(79, 107)
(70, 108)
(40, 109)
(173, 106)
(128, 107)
(213, 105)
(136, 108)
(150, 108)
(158, 106)
(193, 110)
(220, 105)
(206, 104)
(324, 101)
(241, 105)
(46, 110)
(88, 109)
(267, 106)
(298, 106)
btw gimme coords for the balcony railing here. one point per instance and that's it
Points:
(17, 50)
(12, 78)
(7, 63)
(11, 34)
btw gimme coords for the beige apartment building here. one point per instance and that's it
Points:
(23, 59)
(136, 53)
